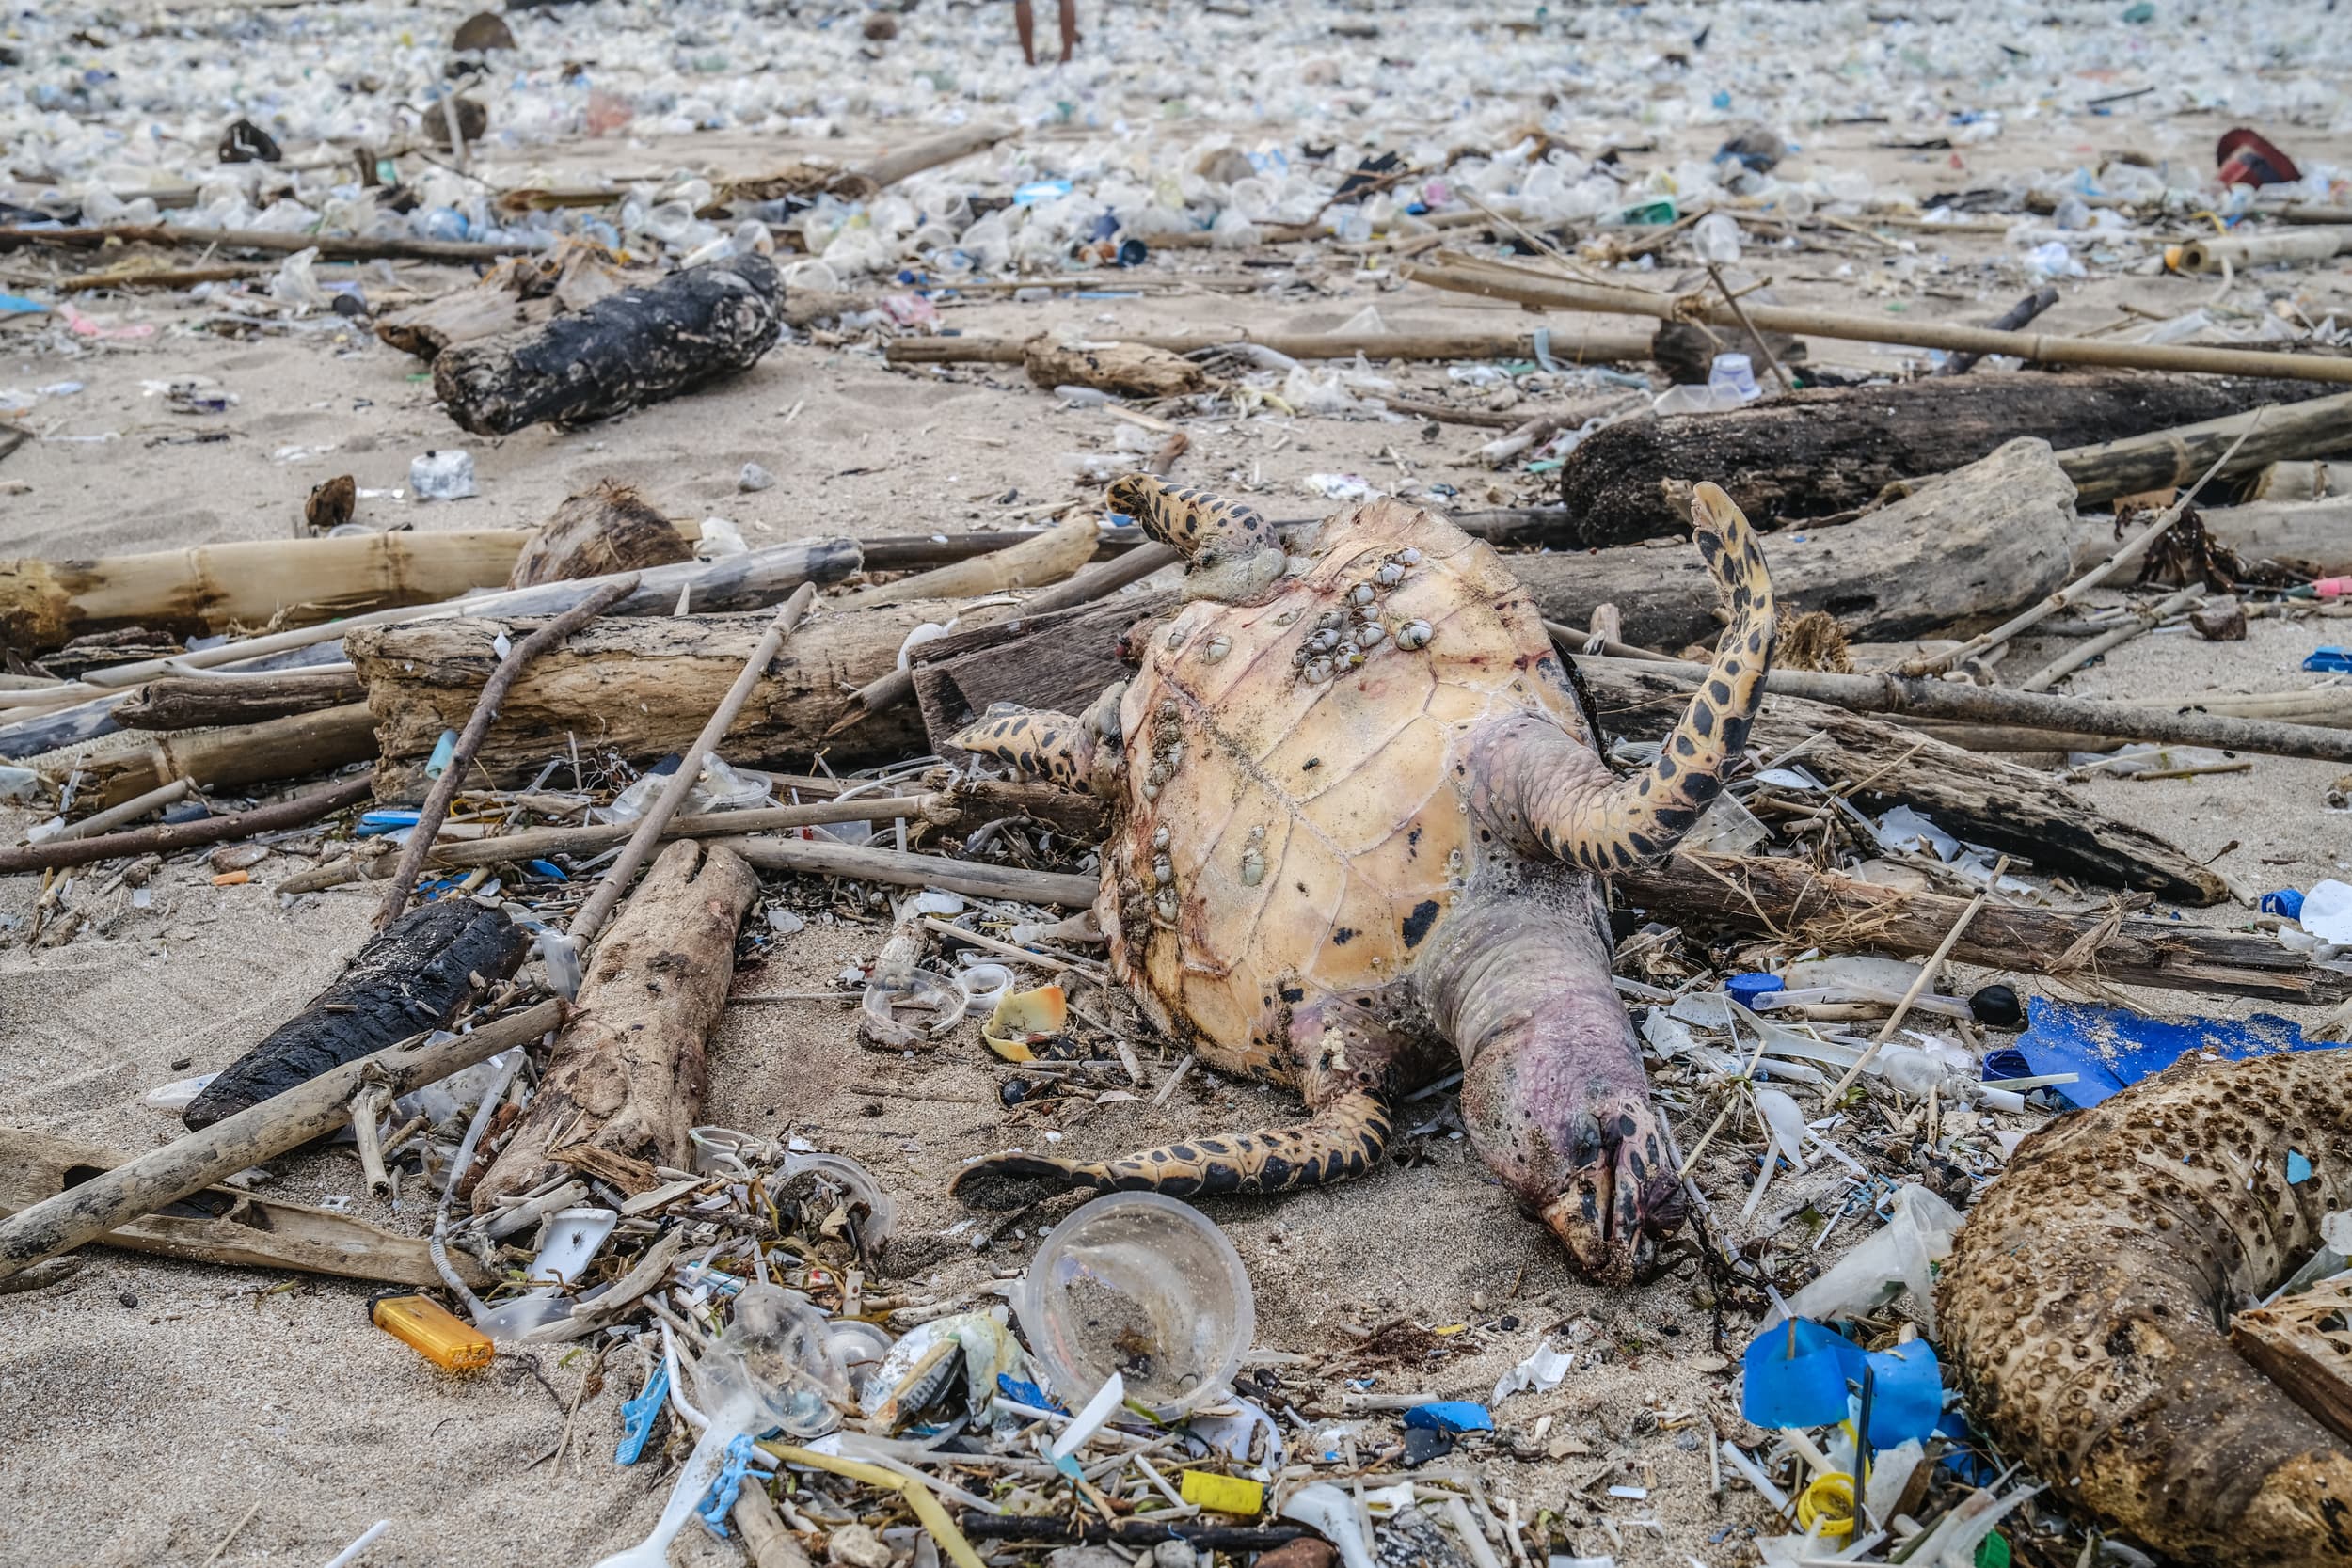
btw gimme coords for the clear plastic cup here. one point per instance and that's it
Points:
(1143, 1286)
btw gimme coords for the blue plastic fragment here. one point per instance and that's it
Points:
(637, 1417)
(1794, 1376)
(545, 868)
(2108, 1048)
(2007, 1062)
(1452, 1416)
(2287, 901)
(374, 824)
(1029, 1394)
(2298, 1167)
(729, 1485)
(2330, 660)
(1039, 190)
(1746, 989)
(17, 304)
(1810, 1388)
(443, 750)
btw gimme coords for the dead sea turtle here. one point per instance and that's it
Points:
(1358, 822)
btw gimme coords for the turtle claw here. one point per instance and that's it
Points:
(1619, 1198)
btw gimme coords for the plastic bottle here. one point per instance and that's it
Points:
(443, 475)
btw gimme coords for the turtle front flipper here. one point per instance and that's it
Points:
(1550, 794)
(1079, 752)
(1344, 1137)
(1234, 552)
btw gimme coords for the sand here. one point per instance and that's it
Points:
(145, 1406)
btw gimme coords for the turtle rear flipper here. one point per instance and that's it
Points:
(1551, 793)
(1342, 1138)
(1080, 753)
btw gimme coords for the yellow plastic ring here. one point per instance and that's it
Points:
(1828, 1503)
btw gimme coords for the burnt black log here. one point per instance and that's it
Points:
(636, 347)
(411, 978)
(1824, 453)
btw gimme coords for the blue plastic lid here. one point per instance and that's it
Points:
(1746, 989)
(2287, 901)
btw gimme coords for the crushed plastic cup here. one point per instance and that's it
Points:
(1733, 375)
(840, 1181)
(1139, 1284)
(1716, 238)
(443, 475)
(778, 1345)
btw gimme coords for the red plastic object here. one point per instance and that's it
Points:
(2246, 159)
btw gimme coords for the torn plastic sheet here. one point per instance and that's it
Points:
(1540, 1373)
(1801, 1373)
(2111, 1048)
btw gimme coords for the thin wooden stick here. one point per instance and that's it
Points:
(2125, 554)
(278, 1124)
(486, 711)
(1919, 987)
(1495, 280)
(2083, 652)
(234, 1531)
(168, 836)
(592, 915)
(1788, 383)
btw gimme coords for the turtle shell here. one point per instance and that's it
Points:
(1294, 823)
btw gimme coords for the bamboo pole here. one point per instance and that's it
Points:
(130, 811)
(1925, 697)
(1583, 347)
(331, 247)
(2313, 428)
(278, 1124)
(44, 605)
(1494, 281)
(2219, 251)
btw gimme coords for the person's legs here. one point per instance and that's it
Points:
(1025, 21)
(1069, 28)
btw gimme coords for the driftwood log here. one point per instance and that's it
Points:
(1817, 455)
(1131, 369)
(641, 688)
(608, 528)
(1964, 546)
(196, 701)
(163, 1177)
(628, 1072)
(226, 1224)
(1790, 901)
(414, 974)
(636, 347)
(46, 604)
(2311, 538)
(1978, 800)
